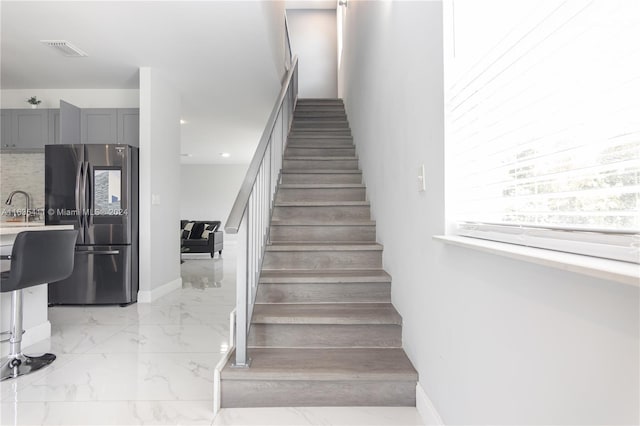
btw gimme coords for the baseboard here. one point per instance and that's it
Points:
(217, 385)
(148, 296)
(31, 336)
(426, 409)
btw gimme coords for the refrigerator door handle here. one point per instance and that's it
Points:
(99, 252)
(79, 194)
(88, 194)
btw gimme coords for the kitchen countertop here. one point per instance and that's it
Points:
(12, 228)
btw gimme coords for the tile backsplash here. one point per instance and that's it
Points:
(23, 172)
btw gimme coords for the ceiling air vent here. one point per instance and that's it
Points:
(64, 47)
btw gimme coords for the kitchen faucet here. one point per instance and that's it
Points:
(28, 199)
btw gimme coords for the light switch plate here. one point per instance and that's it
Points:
(422, 183)
(155, 199)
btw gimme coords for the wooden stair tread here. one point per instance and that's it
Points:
(318, 246)
(320, 100)
(326, 313)
(312, 120)
(321, 108)
(311, 222)
(325, 276)
(319, 185)
(324, 364)
(293, 136)
(320, 203)
(312, 137)
(321, 171)
(321, 146)
(320, 158)
(336, 113)
(310, 107)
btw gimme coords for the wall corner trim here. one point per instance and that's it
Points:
(148, 296)
(426, 409)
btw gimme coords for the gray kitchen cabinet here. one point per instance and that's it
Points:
(70, 123)
(5, 142)
(29, 129)
(54, 127)
(129, 126)
(99, 126)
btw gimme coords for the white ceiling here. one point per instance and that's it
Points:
(225, 57)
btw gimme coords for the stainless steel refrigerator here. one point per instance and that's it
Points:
(95, 189)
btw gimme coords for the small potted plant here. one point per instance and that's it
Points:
(34, 102)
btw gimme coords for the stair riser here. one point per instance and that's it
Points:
(320, 132)
(318, 128)
(321, 113)
(323, 233)
(316, 106)
(321, 152)
(300, 106)
(320, 116)
(325, 336)
(321, 194)
(315, 124)
(313, 101)
(322, 213)
(347, 141)
(352, 259)
(321, 178)
(324, 293)
(289, 393)
(321, 164)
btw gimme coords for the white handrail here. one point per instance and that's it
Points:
(251, 213)
(287, 40)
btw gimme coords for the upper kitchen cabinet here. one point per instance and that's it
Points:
(99, 126)
(24, 129)
(54, 127)
(5, 142)
(129, 126)
(110, 125)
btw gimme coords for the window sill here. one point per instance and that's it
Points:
(623, 272)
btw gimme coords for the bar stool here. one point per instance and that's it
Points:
(37, 257)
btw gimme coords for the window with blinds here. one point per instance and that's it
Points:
(543, 124)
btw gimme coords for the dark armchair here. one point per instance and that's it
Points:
(201, 237)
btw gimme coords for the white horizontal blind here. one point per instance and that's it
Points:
(543, 124)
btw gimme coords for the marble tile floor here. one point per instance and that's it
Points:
(153, 364)
(141, 364)
(326, 416)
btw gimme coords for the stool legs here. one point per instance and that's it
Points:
(17, 363)
(15, 342)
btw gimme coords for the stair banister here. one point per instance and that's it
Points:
(287, 41)
(251, 212)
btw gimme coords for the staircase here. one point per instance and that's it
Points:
(324, 331)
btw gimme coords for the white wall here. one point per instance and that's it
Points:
(495, 341)
(274, 12)
(82, 98)
(207, 192)
(159, 185)
(314, 39)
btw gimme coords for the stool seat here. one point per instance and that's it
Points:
(37, 257)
